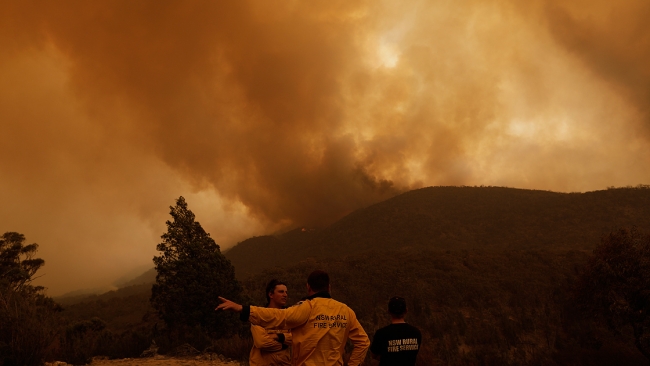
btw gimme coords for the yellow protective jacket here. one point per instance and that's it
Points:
(320, 327)
(266, 350)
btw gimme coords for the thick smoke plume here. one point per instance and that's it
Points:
(268, 115)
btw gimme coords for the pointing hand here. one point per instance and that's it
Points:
(228, 305)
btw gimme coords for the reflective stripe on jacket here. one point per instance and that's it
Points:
(320, 327)
(266, 350)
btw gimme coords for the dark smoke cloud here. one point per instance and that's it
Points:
(267, 115)
(249, 103)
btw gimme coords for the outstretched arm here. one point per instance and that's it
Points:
(268, 317)
(280, 318)
(228, 305)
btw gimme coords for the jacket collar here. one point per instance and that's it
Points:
(323, 294)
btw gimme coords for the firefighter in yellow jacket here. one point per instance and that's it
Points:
(320, 325)
(271, 345)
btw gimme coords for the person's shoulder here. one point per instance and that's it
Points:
(413, 328)
(383, 329)
(326, 300)
(389, 329)
(400, 327)
(346, 306)
(330, 302)
(342, 304)
(302, 305)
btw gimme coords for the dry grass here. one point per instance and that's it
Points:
(203, 360)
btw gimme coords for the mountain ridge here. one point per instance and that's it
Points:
(457, 218)
(429, 217)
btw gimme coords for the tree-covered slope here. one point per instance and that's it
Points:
(457, 218)
(487, 273)
(122, 309)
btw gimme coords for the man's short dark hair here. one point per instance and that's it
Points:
(270, 287)
(397, 306)
(319, 281)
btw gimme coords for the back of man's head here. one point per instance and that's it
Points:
(397, 306)
(319, 281)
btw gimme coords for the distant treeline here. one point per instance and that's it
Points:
(472, 218)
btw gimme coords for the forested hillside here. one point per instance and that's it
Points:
(512, 307)
(487, 272)
(122, 309)
(457, 218)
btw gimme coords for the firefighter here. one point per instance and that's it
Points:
(320, 326)
(271, 345)
(398, 343)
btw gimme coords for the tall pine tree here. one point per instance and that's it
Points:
(29, 320)
(192, 274)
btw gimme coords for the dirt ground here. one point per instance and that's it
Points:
(158, 361)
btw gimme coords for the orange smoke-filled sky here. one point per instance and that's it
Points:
(266, 115)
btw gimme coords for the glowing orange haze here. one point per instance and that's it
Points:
(268, 114)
